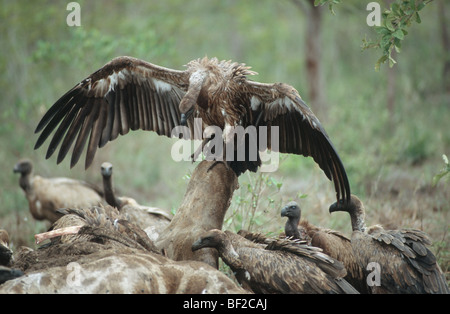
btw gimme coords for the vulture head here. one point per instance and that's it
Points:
(355, 208)
(187, 103)
(291, 210)
(23, 167)
(213, 238)
(106, 169)
(291, 230)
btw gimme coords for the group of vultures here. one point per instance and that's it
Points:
(100, 242)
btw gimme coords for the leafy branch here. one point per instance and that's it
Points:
(445, 171)
(392, 30)
(395, 20)
(330, 3)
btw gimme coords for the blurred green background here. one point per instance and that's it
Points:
(390, 127)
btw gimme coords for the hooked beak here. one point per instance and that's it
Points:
(186, 116)
(284, 211)
(16, 169)
(197, 245)
(183, 119)
(334, 207)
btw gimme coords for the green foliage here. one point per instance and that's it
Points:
(256, 197)
(444, 172)
(330, 3)
(392, 31)
(396, 19)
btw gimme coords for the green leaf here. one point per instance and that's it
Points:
(418, 20)
(388, 23)
(380, 61)
(397, 44)
(398, 34)
(421, 5)
(391, 61)
(381, 30)
(395, 8)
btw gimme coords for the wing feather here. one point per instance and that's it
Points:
(109, 114)
(96, 133)
(59, 134)
(300, 132)
(72, 131)
(84, 132)
(126, 93)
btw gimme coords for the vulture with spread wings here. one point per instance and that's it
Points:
(129, 93)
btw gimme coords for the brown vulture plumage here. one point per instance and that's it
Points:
(332, 242)
(282, 266)
(99, 224)
(129, 93)
(406, 265)
(151, 219)
(46, 195)
(6, 259)
(5, 251)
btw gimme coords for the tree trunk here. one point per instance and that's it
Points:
(391, 87)
(316, 88)
(203, 208)
(445, 45)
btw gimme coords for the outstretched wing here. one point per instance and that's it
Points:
(126, 93)
(300, 132)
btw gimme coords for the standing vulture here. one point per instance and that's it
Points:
(129, 93)
(151, 219)
(396, 261)
(283, 266)
(332, 242)
(46, 195)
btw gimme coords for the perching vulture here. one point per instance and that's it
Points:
(151, 219)
(46, 195)
(395, 261)
(129, 93)
(283, 266)
(332, 242)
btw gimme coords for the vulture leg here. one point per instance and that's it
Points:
(195, 155)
